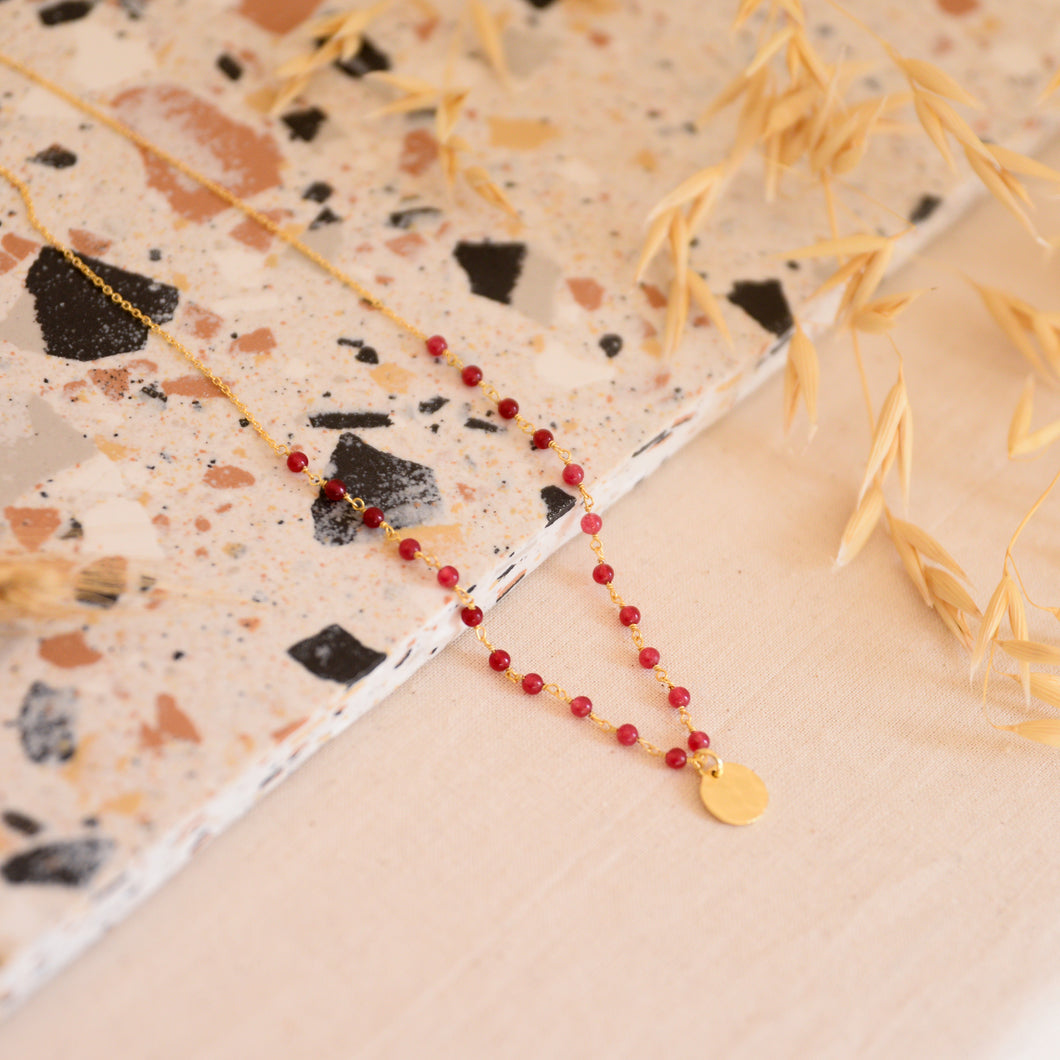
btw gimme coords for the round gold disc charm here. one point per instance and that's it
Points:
(737, 796)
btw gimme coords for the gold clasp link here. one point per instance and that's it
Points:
(699, 760)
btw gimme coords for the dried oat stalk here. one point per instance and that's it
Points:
(336, 38)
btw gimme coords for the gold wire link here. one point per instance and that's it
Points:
(480, 632)
(366, 296)
(464, 596)
(686, 719)
(615, 598)
(429, 560)
(662, 676)
(557, 693)
(697, 762)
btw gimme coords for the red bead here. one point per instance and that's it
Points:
(649, 657)
(629, 615)
(627, 735)
(472, 375)
(581, 706)
(408, 548)
(542, 439)
(334, 489)
(573, 474)
(508, 408)
(448, 577)
(436, 345)
(472, 616)
(676, 758)
(297, 461)
(698, 741)
(591, 523)
(372, 517)
(679, 697)
(532, 684)
(500, 660)
(603, 573)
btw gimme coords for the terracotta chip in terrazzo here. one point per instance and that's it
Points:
(71, 864)
(277, 17)
(405, 490)
(114, 382)
(68, 650)
(492, 268)
(260, 340)
(18, 247)
(228, 477)
(246, 159)
(419, 150)
(46, 722)
(557, 503)
(32, 526)
(764, 300)
(78, 323)
(335, 655)
(587, 292)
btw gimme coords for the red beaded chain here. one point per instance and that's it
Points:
(603, 574)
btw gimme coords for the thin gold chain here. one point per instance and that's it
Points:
(699, 759)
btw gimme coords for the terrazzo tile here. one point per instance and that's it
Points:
(237, 620)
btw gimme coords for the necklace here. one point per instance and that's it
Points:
(731, 792)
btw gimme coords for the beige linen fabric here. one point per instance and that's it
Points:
(471, 873)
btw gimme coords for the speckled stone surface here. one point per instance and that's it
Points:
(249, 622)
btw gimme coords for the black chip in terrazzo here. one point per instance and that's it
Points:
(65, 11)
(46, 723)
(335, 655)
(406, 491)
(764, 301)
(481, 425)
(21, 822)
(368, 59)
(79, 323)
(350, 420)
(611, 344)
(405, 218)
(925, 207)
(318, 191)
(326, 217)
(152, 390)
(229, 67)
(304, 124)
(653, 442)
(492, 268)
(557, 503)
(56, 156)
(540, 4)
(433, 404)
(71, 864)
(367, 355)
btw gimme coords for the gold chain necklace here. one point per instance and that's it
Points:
(731, 792)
